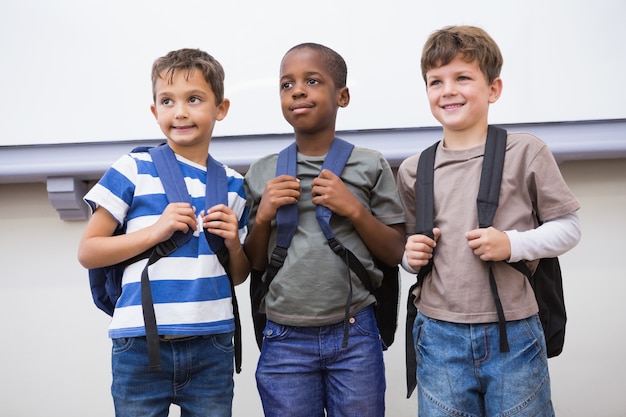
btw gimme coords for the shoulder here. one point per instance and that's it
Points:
(232, 173)
(370, 158)
(525, 140)
(264, 162)
(528, 148)
(409, 164)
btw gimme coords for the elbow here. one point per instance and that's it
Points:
(83, 259)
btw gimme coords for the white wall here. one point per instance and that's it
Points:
(56, 355)
(79, 70)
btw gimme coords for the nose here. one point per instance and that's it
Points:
(180, 110)
(298, 90)
(449, 89)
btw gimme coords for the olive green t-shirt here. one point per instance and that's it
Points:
(312, 286)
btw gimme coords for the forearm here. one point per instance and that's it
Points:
(256, 245)
(385, 242)
(98, 248)
(239, 265)
(100, 251)
(552, 238)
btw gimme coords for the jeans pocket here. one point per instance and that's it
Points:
(223, 341)
(365, 325)
(122, 344)
(275, 331)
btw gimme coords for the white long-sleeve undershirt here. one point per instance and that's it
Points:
(550, 239)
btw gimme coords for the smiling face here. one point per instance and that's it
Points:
(186, 112)
(459, 95)
(309, 97)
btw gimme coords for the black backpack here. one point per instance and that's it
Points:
(546, 281)
(106, 282)
(387, 294)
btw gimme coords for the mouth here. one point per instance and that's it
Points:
(182, 128)
(452, 106)
(300, 108)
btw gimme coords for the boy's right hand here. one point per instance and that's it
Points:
(279, 191)
(419, 249)
(175, 217)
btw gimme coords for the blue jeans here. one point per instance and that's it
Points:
(461, 371)
(303, 371)
(197, 374)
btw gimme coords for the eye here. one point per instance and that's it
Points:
(194, 99)
(286, 85)
(166, 102)
(464, 78)
(312, 81)
(433, 83)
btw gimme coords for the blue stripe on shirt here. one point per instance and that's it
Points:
(178, 291)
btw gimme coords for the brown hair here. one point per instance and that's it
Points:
(190, 60)
(469, 43)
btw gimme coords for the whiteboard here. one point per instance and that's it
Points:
(76, 71)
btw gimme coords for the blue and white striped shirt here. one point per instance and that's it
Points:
(190, 289)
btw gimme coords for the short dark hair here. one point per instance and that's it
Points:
(335, 64)
(190, 60)
(469, 43)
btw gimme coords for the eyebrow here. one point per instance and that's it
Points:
(194, 92)
(306, 74)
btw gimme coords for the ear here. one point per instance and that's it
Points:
(496, 90)
(343, 97)
(154, 112)
(222, 109)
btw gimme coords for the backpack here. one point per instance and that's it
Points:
(387, 295)
(106, 282)
(546, 281)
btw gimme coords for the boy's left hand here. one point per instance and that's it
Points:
(489, 244)
(222, 221)
(329, 191)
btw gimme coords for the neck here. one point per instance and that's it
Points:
(464, 139)
(197, 153)
(314, 145)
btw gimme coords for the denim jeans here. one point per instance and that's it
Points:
(461, 371)
(197, 374)
(303, 371)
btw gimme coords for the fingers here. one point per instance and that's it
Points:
(329, 190)
(282, 190)
(176, 217)
(279, 191)
(419, 249)
(489, 244)
(221, 221)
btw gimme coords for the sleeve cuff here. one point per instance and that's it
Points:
(405, 265)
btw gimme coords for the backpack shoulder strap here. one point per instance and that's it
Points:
(424, 224)
(217, 193)
(335, 161)
(424, 194)
(286, 217)
(487, 204)
(175, 188)
(491, 176)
